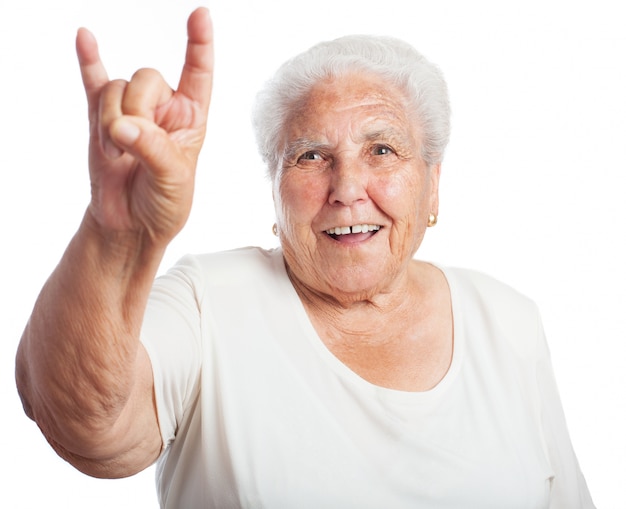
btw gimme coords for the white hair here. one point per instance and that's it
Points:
(392, 59)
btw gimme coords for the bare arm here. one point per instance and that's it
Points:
(81, 371)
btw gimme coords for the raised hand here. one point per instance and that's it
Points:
(81, 370)
(145, 138)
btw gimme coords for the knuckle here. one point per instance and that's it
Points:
(114, 86)
(145, 74)
(111, 99)
(142, 93)
(112, 92)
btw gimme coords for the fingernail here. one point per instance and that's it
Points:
(125, 132)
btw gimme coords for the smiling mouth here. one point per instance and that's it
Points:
(361, 231)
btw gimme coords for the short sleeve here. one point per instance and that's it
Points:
(171, 334)
(569, 489)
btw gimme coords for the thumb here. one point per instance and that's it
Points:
(125, 132)
(145, 141)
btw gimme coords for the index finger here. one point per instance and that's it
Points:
(196, 79)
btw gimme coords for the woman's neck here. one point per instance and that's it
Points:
(400, 338)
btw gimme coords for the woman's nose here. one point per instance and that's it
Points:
(348, 183)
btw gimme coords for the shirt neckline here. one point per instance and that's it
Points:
(395, 396)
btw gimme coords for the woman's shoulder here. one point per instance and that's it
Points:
(229, 267)
(484, 286)
(485, 302)
(240, 258)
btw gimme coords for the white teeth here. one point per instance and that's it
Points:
(357, 228)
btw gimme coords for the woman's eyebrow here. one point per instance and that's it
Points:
(300, 145)
(385, 133)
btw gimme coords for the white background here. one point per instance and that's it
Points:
(532, 190)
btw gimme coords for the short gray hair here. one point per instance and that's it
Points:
(392, 59)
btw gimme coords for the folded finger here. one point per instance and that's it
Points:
(144, 93)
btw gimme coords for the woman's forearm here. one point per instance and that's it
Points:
(76, 364)
(81, 372)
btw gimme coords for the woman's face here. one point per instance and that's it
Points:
(353, 196)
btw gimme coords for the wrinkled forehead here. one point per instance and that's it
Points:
(363, 104)
(353, 87)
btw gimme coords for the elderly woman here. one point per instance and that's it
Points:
(335, 371)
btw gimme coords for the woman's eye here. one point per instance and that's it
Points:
(310, 156)
(382, 150)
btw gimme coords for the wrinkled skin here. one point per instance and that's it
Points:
(81, 370)
(353, 157)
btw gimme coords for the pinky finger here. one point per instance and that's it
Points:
(92, 70)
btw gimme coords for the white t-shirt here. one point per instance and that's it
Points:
(255, 411)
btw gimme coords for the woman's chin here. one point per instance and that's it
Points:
(357, 283)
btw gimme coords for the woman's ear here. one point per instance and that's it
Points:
(434, 174)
